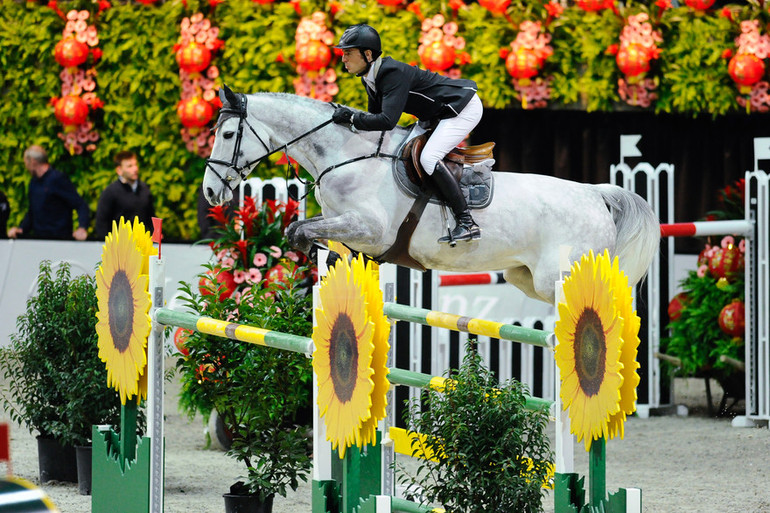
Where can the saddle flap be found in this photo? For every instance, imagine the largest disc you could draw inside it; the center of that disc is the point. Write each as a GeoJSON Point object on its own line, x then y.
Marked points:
{"type": "Point", "coordinates": [410, 156]}
{"type": "Point", "coordinates": [477, 153]}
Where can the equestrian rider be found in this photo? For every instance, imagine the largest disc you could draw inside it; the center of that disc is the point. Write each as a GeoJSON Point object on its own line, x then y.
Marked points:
{"type": "Point", "coordinates": [394, 87]}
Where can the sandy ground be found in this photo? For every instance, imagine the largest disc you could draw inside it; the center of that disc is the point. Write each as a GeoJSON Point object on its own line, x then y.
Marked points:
{"type": "Point", "coordinates": [682, 464]}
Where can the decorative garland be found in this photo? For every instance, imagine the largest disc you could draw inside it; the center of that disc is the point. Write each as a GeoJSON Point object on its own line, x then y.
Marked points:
{"type": "Point", "coordinates": [78, 83]}
{"type": "Point", "coordinates": [198, 41]}
{"type": "Point", "coordinates": [525, 59]}
{"type": "Point", "coordinates": [637, 48]}
{"type": "Point", "coordinates": [312, 58]}
{"type": "Point", "coordinates": [440, 47]}
{"type": "Point", "coordinates": [747, 67]}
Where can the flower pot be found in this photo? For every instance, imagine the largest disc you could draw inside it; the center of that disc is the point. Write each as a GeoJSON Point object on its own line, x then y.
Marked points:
{"type": "Point", "coordinates": [83, 456]}
{"type": "Point", "coordinates": [235, 503]}
{"type": "Point", "coordinates": [56, 462]}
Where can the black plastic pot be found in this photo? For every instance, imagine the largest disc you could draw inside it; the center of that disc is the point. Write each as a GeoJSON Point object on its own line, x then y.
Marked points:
{"type": "Point", "coordinates": [83, 455]}
{"type": "Point", "coordinates": [56, 462]}
{"type": "Point", "coordinates": [247, 504]}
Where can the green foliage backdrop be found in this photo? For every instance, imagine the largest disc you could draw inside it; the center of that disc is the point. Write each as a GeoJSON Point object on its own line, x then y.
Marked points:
{"type": "Point", "coordinates": [139, 84]}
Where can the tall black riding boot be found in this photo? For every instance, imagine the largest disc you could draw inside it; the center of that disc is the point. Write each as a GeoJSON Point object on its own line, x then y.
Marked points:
{"type": "Point", "coordinates": [466, 228]}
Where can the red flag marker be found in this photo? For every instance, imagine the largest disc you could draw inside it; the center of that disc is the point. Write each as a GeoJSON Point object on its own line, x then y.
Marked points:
{"type": "Point", "coordinates": [157, 232]}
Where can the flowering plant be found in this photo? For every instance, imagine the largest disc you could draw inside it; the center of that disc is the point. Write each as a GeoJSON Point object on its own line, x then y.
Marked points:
{"type": "Point", "coordinates": [441, 48]}
{"type": "Point", "coordinates": [252, 252]}
{"type": "Point", "coordinates": [316, 78]}
{"type": "Point", "coordinates": [747, 66]}
{"type": "Point", "coordinates": [638, 46]}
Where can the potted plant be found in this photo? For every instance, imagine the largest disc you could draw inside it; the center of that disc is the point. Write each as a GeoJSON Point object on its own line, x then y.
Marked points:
{"type": "Point", "coordinates": [487, 451]}
{"type": "Point", "coordinates": [262, 396]}
{"type": "Point", "coordinates": [55, 384]}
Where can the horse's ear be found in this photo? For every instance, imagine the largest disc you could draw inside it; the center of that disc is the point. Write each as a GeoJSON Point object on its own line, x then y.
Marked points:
{"type": "Point", "coordinates": [227, 95]}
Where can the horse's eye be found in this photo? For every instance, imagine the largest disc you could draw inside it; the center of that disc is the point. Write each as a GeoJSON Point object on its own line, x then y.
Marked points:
{"type": "Point", "coordinates": [228, 135]}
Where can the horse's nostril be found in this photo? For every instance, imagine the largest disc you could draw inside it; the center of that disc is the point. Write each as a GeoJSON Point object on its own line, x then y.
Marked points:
{"type": "Point", "coordinates": [209, 194]}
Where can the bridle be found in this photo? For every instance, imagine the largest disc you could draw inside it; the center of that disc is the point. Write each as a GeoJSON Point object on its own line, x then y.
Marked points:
{"type": "Point", "coordinates": [243, 170]}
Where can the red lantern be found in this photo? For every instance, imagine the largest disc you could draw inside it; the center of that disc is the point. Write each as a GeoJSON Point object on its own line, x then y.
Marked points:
{"type": "Point", "coordinates": [194, 57]}
{"type": "Point", "coordinates": [732, 319]}
{"type": "Point", "coordinates": [194, 112]}
{"type": "Point", "coordinates": [495, 6]}
{"type": "Point", "coordinates": [524, 63]}
{"type": "Point", "coordinates": [69, 52]}
{"type": "Point", "coordinates": [313, 55]}
{"type": "Point", "coordinates": [71, 111]}
{"type": "Point", "coordinates": [225, 283]}
{"type": "Point", "coordinates": [746, 69]}
{"type": "Point", "coordinates": [701, 5]}
{"type": "Point", "coordinates": [677, 304]}
{"type": "Point", "coordinates": [281, 273]}
{"type": "Point", "coordinates": [438, 56]}
{"type": "Point", "coordinates": [180, 339]}
{"type": "Point", "coordinates": [633, 60]}
{"type": "Point", "coordinates": [725, 262]}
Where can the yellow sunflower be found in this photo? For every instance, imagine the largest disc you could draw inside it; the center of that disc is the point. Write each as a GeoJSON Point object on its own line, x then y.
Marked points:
{"type": "Point", "coordinates": [343, 356]}
{"type": "Point", "coordinates": [374, 307]}
{"type": "Point", "coordinates": [143, 240]}
{"type": "Point", "coordinates": [123, 322]}
{"type": "Point", "coordinates": [588, 353]}
{"type": "Point", "coordinates": [631, 322]}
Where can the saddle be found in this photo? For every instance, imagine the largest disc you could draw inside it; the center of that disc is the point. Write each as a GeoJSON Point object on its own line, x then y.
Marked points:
{"type": "Point", "coordinates": [455, 160]}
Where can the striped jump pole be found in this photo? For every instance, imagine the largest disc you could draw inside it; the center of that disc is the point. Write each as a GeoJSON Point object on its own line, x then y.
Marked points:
{"type": "Point", "coordinates": [705, 228]}
{"type": "Point", "coordinates": [454, 280]}
{"type": "Point", "coordinates": [297, 344]}
{"type": "Point", "coordinates": [470, 325]}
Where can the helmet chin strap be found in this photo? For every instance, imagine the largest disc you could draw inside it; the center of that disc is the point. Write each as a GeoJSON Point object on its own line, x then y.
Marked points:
{"type": "Point", "coordinates": [368, 63]}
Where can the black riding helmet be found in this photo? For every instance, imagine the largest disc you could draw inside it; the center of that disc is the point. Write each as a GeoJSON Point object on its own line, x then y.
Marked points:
{"type": "Point", "coordinates": [363, 37]}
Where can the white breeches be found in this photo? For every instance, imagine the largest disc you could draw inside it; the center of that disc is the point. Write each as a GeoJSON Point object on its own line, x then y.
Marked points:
{"type": "Point", "coordinates": [449, 133]}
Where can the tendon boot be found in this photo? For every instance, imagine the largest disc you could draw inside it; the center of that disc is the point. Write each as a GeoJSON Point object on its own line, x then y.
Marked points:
{"type": "Point", "coordinates": [466, 228]}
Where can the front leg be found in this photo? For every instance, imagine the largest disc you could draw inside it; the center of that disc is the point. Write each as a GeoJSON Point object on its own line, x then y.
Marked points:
{"type": "Point", "coordinates": [350, 228]}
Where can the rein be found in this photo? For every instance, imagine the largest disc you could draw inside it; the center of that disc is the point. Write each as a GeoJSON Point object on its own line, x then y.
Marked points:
{"type": "Point", "coordinates": [243, 170]}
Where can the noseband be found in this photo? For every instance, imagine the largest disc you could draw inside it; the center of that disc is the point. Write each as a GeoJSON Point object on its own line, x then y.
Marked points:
{"type": "Point", "coordinates": [241, 111]}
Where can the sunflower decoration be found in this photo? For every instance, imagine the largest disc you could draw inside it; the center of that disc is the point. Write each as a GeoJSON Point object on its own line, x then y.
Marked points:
{"type": "Point", "coordinates": [350, 354]}
{"type": "Point", "coordinates": [589, 331]}
{"type": "Point", "coordinates": [123, 322]}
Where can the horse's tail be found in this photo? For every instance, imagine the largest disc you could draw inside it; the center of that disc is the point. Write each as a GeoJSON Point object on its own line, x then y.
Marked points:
{"type": "Point", "coordinates": [638, 230]}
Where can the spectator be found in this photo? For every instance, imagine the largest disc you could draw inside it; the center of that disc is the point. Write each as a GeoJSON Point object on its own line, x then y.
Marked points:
{"type": "Point", "coordinates": [127, 197]}
{"type": "Point", "coordinates": [52, 198]}
{"type": "Point", "coordinates": [5, 211]}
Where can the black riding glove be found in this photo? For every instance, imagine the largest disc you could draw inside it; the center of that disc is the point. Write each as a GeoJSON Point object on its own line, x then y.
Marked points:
{"type": "Point", "coordinates": [342, 115]}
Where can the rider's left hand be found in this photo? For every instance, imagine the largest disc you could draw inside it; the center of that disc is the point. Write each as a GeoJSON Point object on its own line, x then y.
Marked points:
{"type": "Point", "coordinates": [342, 115]}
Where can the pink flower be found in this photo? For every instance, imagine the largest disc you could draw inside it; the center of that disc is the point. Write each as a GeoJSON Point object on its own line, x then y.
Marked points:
{"type": "Point", "coordinates": [228, 262]}
{"type": "Point", "coordinates": [742, 245]}
{"type": "Point", "coordinates": [728, 241]}
{"type": "Point", "coordinates": [702, 271]}
{"type": "Point", "coordinates": [239, 276]}
{"type": "Point", "coordinates": [275, 252]}
{"type": "Point", "coordinates": [260, 259]}
{"type": "Point", "coordinates": [294, 257]}
{"type": "Point", "coordinates": [255, 275]}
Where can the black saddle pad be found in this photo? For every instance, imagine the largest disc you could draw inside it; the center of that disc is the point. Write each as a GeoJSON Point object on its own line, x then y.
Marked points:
{"type": "Point", "coordinates": [477, 185]}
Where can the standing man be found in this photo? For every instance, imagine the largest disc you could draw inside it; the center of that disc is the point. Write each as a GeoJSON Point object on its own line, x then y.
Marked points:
{"type": "Point", "coordinates": [52, 198]}
{"type": "Point", "coordinates": [394, 87]}
{"type": "Point", "coordinates": [127, 197]}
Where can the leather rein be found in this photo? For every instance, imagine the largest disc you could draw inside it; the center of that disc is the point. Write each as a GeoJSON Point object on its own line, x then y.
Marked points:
{"type": "Point", "coordinates": [243, 170]}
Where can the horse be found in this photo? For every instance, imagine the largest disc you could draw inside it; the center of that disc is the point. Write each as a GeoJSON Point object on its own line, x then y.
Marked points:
{"type": "Point", "coordinates": [530, 217]}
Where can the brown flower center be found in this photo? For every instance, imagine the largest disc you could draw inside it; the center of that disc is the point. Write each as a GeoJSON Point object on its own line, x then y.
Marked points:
{"type": "Point", "coordinates": [590, 351]}
{"type": "Point", "coordinates": [343, 357]}
{"type": "Point", "coordinates": [120, 306]}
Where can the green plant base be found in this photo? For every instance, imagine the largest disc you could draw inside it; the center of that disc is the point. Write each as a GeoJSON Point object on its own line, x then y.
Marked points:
{"type": "Point", "coordinates": [325, 497]}
{"type": "Point", "coordinates": [569, 497]}
{"type": "Point", "coordinates": [119, 486]}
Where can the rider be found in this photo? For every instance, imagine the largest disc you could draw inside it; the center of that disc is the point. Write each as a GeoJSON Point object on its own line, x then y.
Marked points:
{"type": "Point", "coordinates": [394, 87]}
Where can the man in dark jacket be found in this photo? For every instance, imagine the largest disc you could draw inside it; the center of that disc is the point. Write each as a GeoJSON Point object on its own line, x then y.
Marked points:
{"type": "Point", "coordinates": [52, 198]}
{"type": "Point", "coordinates": [126, 197]}
{"type": "Point", "coordinates": [393, 88]}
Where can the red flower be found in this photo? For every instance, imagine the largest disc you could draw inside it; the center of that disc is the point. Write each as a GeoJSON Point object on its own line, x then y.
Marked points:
{"type": "Point", "coordinates": [273, 208]}
{"type": "Point", "coordinates": [283, 160]}
{"type": "Point", "coordinates": [104, 5]}
{"type": "Point", "coordinates": [53, 100]}
{"type": "Point", "coordinates": [214, 3]}
{"type": "Point", "coordinates": [504, 52]}
{"type": "Point", "coordinates": [554, 9]}
{"type": "Point", "coordinates": [415, 9]}
{"type": "Point", "coordinates": [334, 8]}
{"type": "Point", "coordinates": [456, 5]}
{"type": "Point", "coordinates": [465, 58]}
{"type": "Point", "coordinates": [292, 207]}
{"type": "Point", "coordinates": [727, 53]}
{"type": "Point", "coordinates": [97, 53]}
{"type": "Point", "coordinates": [97, 104]}
{"type": "Point", "coordinates": [726, 13]}
{"type": "Point", "coordinates": [663, 4]}
{"type": "Point", "coordinates": [279, 58]}
{"type": "Point", "coordinates": [243, 249]}
{"type": "Point", "coordinates": [55, 6]}
{"type": "Point", "coordinates": [611, 50]}
{"type": "Point", "coordinates": [297, 8]}
{"type": "Point", "coordinates": [218, 214]}
{"type": "Point", "coordinates": [216, 102]}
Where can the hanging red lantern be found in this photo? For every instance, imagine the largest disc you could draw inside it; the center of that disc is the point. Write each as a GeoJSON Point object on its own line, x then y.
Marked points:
{"type": "Point", "coordinates": [69, 52]}
{"type": "Point", "coordinates": [194, 112]}
{"type": "Point", "coordinates": [725, 262]}
{"type": "Point", "coordinates": [676, 305]}
{"type": "Point", "coordinates": [732, 318]}
{"type": "Point", "coordinates": [700, 5]}
{"type": "Point", "coordinates": [495, 6]}
{"type": "Point", "coordinates": [71, 111]}
{"type": "Point", "coordinates": [225, 283]}
{"type": "Point", "coordinates": [180, 340]}
{"type": "Point", "coordinates": [193, 57]}
{"type": "Point", "coordinates": [438, 56]}
{"type": "Point", "coordinates": [313, 55]}
{"type": "Point", "coordinates": [633, 60]}
{"type": "Point", "coordinates": [524, 63]}
{"type": "Point", "coordinates": [746, 69]}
